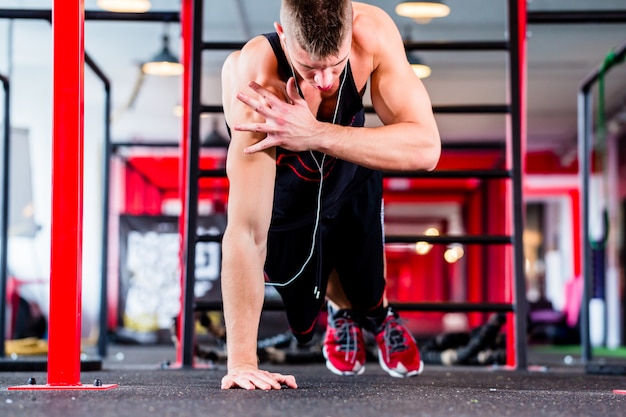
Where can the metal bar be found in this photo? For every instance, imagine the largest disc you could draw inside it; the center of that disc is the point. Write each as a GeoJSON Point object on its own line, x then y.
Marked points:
{"type": "Point", "coordinates": [29, 14]}
{"type": "Point", "coordinates": [4, 220]}
{"type": "Point", "coordinates": [211, 108]}
{"type": "Point", "coordinates": [186, 28]}
{"type": "Point", "coordinates": [97, 70]}
{"type": "Point", "coordinates": [450, 174]}
{"type": "Point", "coordinates": [104, 250]}
{"type": "Point", "coordinates": [141, 174]}
{"type": "Point", "coordinates": [461, 46]}
{"type": "Point", "coordinates": [442, 109]}
{"type": "Point", "coordinates": [116, 146]}
{"type": "Point", "coordinates": [212, 173]}
{"type": "Point", "coordinates": [576, 17]}
{"type": "Point", "coordinates": [435, 306]}
{"type": "Point", "coordinates": [474, 146]}
{"type": "Point", "coordinates": [473, 108]}
{"type": "Point", "coordinates": [452, 146]}
{"type": "Point", "coordinates": [464, 239]}
{"type": "Point", "coordinates": [517, 67]}
{"type": "Point", "coordinates": [106, 185]}
{"type": "Point", "coordinates": [594, 75]}
{"type": "Point", "coordinates": [585, 126]}
{"type": "Point", "coordinates": [455, 307]}
{"type": "Point", "coordinates": [584, 155]}
{"type": "Point", "coordinates": [194, 19]}
{"type": "Point", "coordinates": [67, 193]}
{"type": "Point", "coordinates": [209, 238]}
{"type": "Point", "coordinates": [45, 14]}
{"type": "Point", "coordinates": [467, 46]}
{"type": "Point", "coordinates": [534, 17]}
{"type": "Point", "coordinates": [222, 46]}
{"type": "Point", "coordinates": [163, 16]}
{"type": "Point", "coordinates": [485, 220]}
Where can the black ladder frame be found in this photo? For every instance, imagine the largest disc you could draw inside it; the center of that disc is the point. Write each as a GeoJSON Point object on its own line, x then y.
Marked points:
{"type": "Point", "coordinates": [515, 46]}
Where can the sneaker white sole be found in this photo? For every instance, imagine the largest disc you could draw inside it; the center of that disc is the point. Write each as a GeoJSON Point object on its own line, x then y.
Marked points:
{"type": "Point", "coordinates": [357, 371]}
{"type": "Point", "coordinates": [396, 374]}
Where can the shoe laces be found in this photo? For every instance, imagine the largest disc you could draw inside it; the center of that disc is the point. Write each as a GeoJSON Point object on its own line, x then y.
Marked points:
{"type": "Point", "coordinates": [346, 336]}
{"type": "Point", "coordinates": [394, 336]}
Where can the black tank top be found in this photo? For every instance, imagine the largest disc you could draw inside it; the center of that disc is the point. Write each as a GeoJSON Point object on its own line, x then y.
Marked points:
{"type": "Point", "coordinates": [297, 175]}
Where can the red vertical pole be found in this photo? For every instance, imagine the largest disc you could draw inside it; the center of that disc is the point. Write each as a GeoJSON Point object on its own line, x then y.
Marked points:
{"type": "Point", "coordinates": [186, 22]}
{"type": "Point", "coordinates": [516, 143]}
{"type": "Point", "coordinates": [575, 227]}
{"type": "Point", "coordinates": [477, 276]}
{"type": "Point", "coordinates": [67, 196]}
{"type": "Point", "coordinates": [68, 21]}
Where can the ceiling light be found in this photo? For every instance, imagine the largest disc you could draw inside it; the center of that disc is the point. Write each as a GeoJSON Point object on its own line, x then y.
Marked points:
{"type": "Point", "coordinates": [419, 67]}
{"type": "Point", "coordinates": [163, 63]}
{"type": "Point", "coordinates": [423, 11]}
{"type": "Point", "coordinates": [129, 6]}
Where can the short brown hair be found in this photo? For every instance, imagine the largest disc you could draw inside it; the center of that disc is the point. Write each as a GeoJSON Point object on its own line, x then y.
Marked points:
{"type": "Point", "coordinates": [319, 26]}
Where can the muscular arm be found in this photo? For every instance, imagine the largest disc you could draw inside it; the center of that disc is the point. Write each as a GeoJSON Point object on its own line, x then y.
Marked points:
{"type": "Point", "coordinates": [409, 138]}
{"type": "Point", "coordinates": [251, 179]}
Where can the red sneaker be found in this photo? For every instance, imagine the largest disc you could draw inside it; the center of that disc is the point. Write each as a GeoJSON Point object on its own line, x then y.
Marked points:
{"type": "Point", "coordinates": [344, 348]}
{"type": "Point", "coordinates": [398, 353]}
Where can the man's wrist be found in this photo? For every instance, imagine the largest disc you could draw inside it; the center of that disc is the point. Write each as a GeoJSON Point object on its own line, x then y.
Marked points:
{"type": "Point", "coordinates": [329, 138]}
{"type": "Point", "coordinates": [237, 364]}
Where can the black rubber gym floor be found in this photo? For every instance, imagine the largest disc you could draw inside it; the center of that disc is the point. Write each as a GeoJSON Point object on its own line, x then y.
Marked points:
{"type": "Point", "coordinates": [147, 389]}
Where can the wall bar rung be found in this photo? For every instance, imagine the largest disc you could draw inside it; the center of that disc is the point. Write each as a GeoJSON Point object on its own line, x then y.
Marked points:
{"type": "Point", "coordinates": [434, 306]}
{"type": "Point", "coordinates": [577, 17]}
{"type": "Point", "coordinates": [483, 174]}
{"type": "Point", "coordinates": [212, 173]}
{"type": "Point", "coordinates": [464, 239]}
{"type": "Point", "coordinates": [442, 109]}
{"type": "Point", "coordinates": [45, 14]}
{"type": "Point", "coordinates": [462, 46]}
{"type": "Point", "coordinates": [209, 238]}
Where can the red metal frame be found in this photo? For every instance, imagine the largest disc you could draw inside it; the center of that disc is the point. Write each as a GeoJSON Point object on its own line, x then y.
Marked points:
{"type": "Point", "coordinates": [186, 27]}
{"type": "Point", "coordinates": [510, 279]}
{"type": "Point", "coordinates": [68, 18]}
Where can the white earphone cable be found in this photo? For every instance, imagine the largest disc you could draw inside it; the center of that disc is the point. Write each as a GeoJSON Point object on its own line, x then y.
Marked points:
{"type": "Point", "coordinates": [320, 168]}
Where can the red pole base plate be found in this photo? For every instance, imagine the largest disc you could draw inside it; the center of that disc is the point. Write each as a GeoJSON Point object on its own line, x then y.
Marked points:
{"type": "Point", "coordinates": [62, 387]}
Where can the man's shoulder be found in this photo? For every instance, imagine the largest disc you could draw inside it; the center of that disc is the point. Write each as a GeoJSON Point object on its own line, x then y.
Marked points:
{"type": "Point", "coordinates": [257, 47]}
{"type": "Point", "coordinates": [255, 61]}
{"type": "Point", "coordinates": [371, 24]}
{"type": "Point", "coordinates": [255, 55]}
{"type": "Point", "coordinates": [369, 14]}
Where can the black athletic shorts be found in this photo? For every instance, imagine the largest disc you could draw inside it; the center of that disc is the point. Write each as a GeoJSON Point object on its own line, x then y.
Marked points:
{"type": "Point", "coordinates": [350, 240]}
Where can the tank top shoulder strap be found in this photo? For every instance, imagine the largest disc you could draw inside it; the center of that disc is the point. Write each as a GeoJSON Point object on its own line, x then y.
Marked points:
{"type": "Point", "coordinates": [284, 69]}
